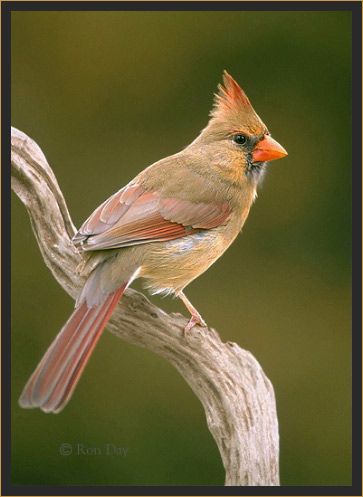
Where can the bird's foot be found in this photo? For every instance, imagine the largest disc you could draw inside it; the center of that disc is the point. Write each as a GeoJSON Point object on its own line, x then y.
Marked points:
{"type": "Point", "coordinates": [195, 319]}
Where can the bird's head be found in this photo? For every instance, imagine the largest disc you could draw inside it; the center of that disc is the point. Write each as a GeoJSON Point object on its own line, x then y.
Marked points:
{"type": "Point", "coordinates": [236, 136]}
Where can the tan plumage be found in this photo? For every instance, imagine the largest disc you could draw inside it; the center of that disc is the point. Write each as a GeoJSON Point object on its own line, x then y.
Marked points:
{"type": "Point", "coordinates": [168, 225]}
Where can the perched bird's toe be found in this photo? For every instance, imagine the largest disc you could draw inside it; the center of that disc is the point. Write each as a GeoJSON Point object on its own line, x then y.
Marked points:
{"type": "Point", "coordinates": [195, 319]}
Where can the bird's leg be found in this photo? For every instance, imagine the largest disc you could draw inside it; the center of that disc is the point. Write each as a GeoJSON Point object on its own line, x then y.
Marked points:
{"type": "Point", "coordinates": [196, 317]}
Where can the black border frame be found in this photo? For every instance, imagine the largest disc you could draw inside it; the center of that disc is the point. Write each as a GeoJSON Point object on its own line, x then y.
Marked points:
{"type": "Point", "coordinates": [355, 7]}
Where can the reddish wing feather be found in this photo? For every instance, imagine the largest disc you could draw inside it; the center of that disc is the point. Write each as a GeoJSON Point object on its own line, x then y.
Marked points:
{"type": "Point", "coordinates": [109, 212]}
{"type": "Point", "coordinates": [133, 216]}
{"type": "Point", "coordinates": [203, 216]}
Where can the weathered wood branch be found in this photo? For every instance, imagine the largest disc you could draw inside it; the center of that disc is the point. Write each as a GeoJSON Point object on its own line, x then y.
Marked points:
{"type": "Point", "coordinates": [237, 397]}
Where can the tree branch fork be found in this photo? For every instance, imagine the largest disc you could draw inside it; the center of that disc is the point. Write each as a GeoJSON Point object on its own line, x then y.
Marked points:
{"type": "Point", "coordinates": [237, 397]}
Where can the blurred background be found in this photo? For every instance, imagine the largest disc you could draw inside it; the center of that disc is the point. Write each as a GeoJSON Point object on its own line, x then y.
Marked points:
{"type": "Point", "coordinates": [105, 94]}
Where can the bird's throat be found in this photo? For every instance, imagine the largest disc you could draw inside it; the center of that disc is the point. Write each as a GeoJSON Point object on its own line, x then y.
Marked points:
{"type": "Point", "coordinates": [255, 170]}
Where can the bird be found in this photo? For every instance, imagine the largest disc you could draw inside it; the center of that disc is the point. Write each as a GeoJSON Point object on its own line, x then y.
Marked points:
{"type": "Point", "coordinates": [168, 225]}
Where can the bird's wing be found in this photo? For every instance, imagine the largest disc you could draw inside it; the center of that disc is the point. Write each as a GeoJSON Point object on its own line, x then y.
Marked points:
{"type": "Point", "coordinates": [133, 216]}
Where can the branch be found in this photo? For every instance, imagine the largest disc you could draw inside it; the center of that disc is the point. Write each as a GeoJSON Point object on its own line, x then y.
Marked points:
{"type": "Point", "coordinates": [237, 397]}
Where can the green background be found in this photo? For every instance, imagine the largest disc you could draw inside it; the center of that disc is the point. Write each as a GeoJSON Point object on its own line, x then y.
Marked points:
{"type": "Point", "coordinates": [105, 94]}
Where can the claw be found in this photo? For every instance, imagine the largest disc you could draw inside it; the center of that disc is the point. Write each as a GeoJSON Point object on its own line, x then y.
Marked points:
{"type": "Point", "coordinates": [195, 319]}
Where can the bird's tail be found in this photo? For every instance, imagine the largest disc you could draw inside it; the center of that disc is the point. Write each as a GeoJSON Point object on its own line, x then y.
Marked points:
{"type": "Point", "coordinates": [52, 383]}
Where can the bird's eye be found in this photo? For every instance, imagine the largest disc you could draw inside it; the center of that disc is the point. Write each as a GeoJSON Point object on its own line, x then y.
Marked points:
{"type": "Point", "coordinates": [240, 139]}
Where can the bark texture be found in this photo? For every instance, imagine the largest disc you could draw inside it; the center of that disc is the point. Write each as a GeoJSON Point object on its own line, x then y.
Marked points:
{"type": "Point", "coordinates": [237, 397]}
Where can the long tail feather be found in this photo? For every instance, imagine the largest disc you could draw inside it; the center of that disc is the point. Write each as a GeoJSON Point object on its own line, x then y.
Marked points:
{"type": "Point", "coordinates": [52, 383]}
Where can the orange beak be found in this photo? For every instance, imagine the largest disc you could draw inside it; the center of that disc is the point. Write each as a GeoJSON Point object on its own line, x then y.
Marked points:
{"type": "Point", "coordinates": [268, 149]}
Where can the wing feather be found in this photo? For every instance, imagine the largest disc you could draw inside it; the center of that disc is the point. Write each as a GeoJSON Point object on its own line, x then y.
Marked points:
{"type": "Point", "coordinates": [133, 216]}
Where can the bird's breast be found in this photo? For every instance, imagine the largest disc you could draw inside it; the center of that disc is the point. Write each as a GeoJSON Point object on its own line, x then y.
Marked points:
{"type": "Point", "coordinates": [170, 266]}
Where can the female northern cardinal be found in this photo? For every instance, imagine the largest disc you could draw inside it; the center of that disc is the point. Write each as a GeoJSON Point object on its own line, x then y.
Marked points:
{"type": "Point", "coordinates": [168, 225]}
